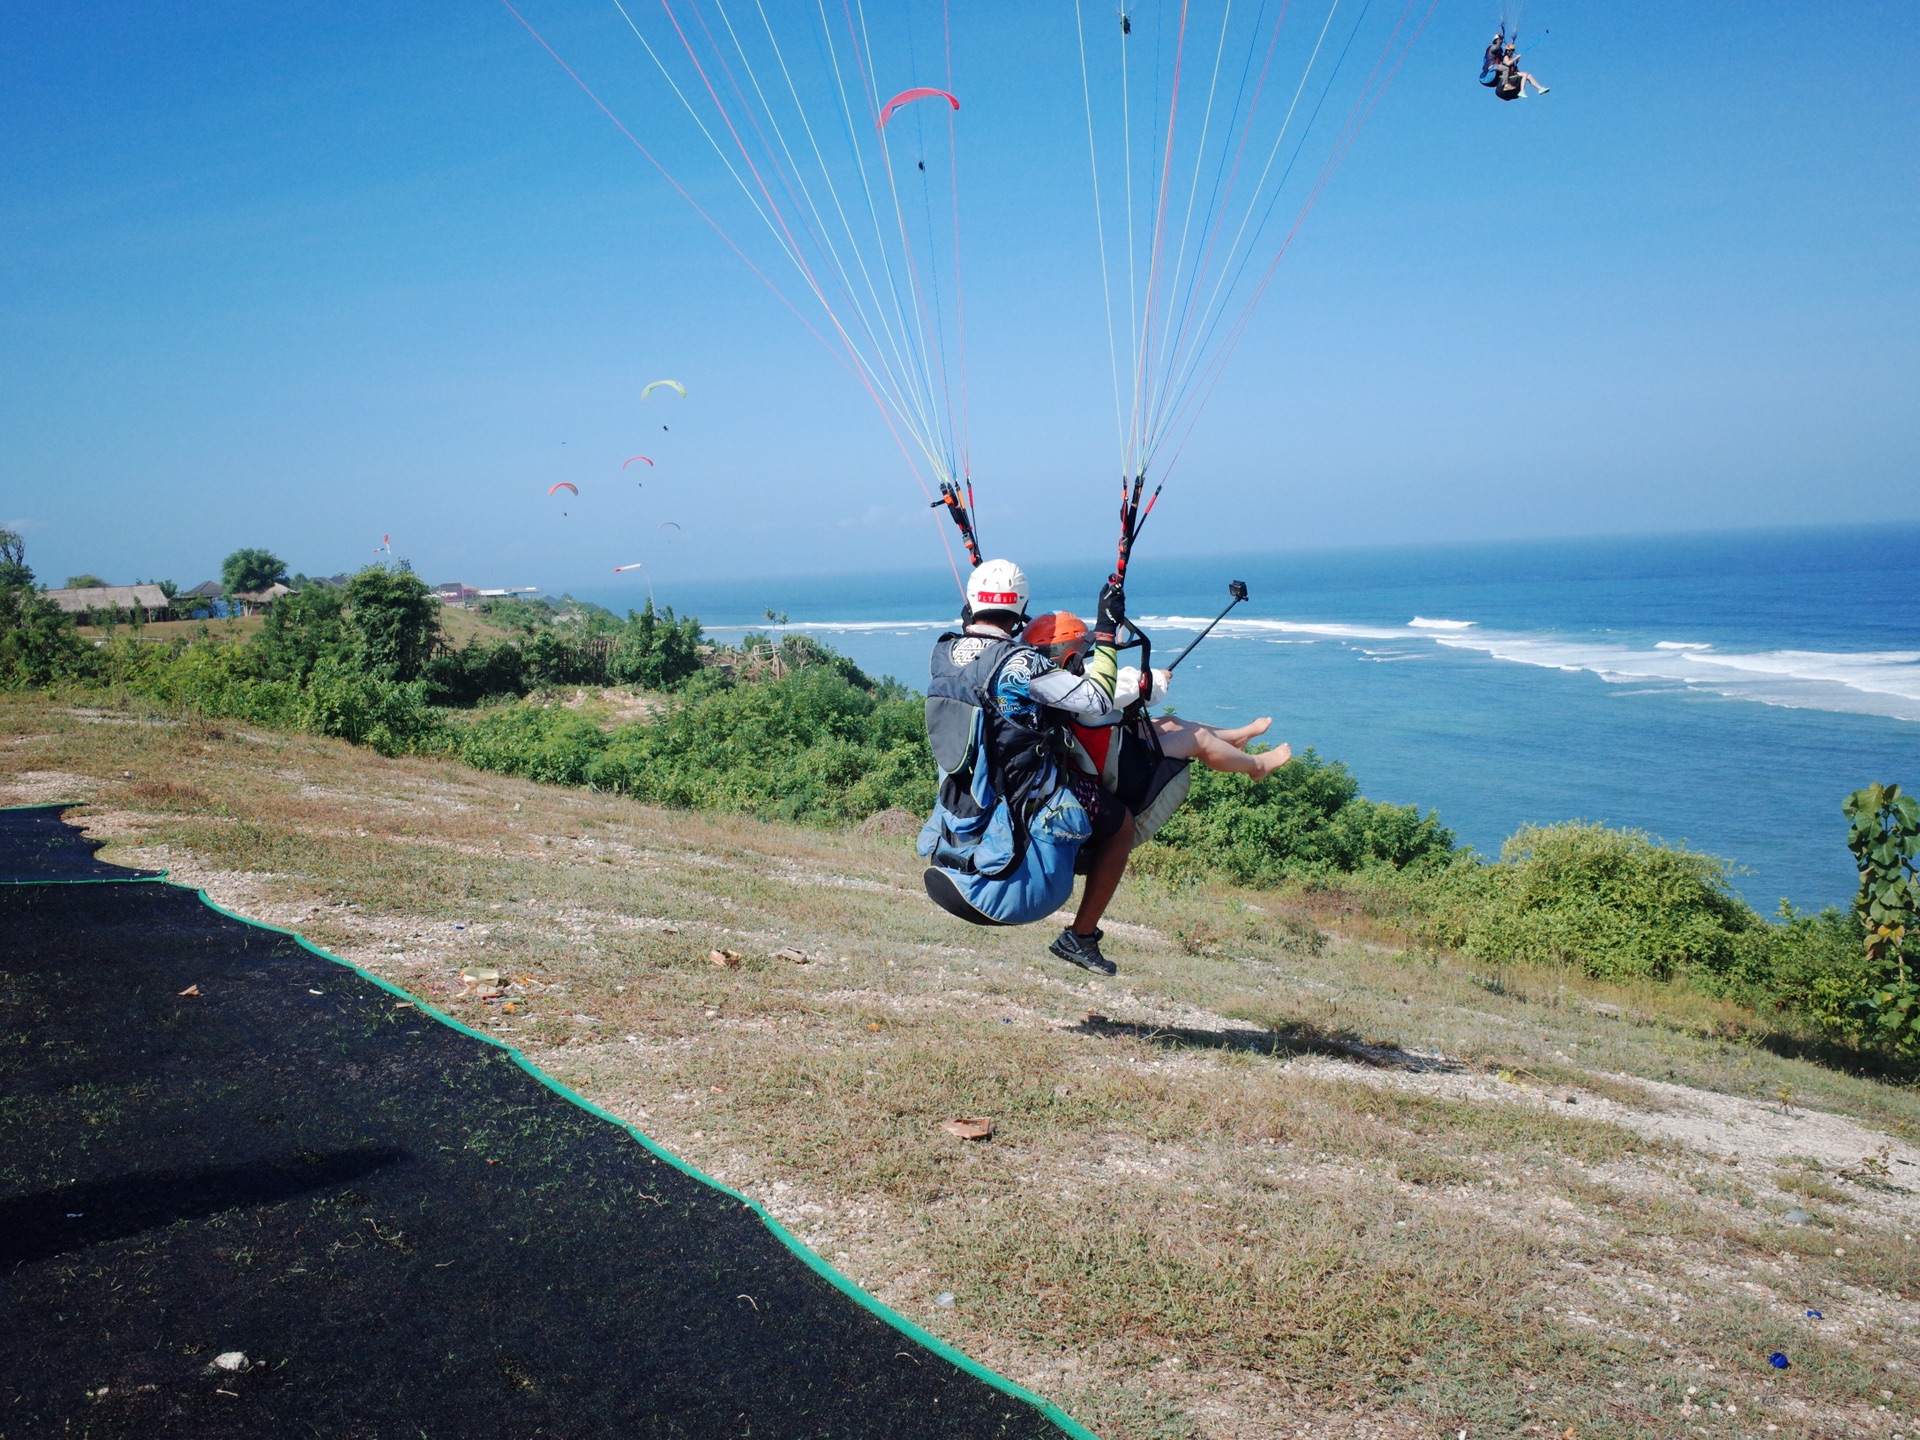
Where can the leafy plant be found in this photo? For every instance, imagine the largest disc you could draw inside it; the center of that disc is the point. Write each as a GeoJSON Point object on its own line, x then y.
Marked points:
{"type": "Point", "coordinates": [301, 630]}
{"type": "Point", "coordinates": [1308, 819]}
{"type": "Point", "coordinates": [13, 559]}
{"type": "Point", "coordinates": [1615, 904]}
{"type": "Point", "coordinates": [395, 622]}
{"type": "Point", "coordinates": [251, 568]}
{"type": "Point", "coordinates": [1883, 832]}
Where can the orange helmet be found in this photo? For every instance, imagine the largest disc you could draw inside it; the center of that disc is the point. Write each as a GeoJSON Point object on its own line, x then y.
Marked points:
{"type": "Point", "coordinates": [1061, 636]}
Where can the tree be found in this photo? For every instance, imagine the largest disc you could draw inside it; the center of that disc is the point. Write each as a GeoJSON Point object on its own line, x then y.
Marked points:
{"type": "Point", "coordinates": [300, 631]}
{"type": "Point", "coordinates": [37, 643]}
{"type": "Point", "coordinates": [13, 560]}
{"type": "Point", "coordinates": [251, 569]}
{"type": "Point", "coordinates": [85, 582]}
{"type": "Point", "coordinates": [395, 622]}
{"type": "Point", "coordinates": [1883, 832]}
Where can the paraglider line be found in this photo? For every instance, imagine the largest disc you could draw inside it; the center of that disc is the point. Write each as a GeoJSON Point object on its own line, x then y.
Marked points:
{"type": "Point", "coordinates": [665, 174]}
{"type": "Point", "coordinates": [1362, 111]}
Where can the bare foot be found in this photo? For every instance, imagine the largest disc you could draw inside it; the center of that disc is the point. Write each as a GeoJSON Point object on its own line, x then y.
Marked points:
{"type": "Point", "coordinates": [1272, 760]}
{"type": "Point", "coordinates": [1245, 735]}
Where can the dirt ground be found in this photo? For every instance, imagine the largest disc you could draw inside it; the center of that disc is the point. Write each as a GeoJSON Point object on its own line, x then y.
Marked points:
{"type": "Point", "coordinates": [1285, 1175]}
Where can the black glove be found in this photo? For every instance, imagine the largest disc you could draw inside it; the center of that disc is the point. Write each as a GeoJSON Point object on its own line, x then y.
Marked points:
{"type": "Point", "coordinates": [1110, 613]}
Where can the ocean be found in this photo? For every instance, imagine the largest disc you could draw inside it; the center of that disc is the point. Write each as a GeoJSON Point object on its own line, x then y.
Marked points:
{"type": "Point", "coordinates": [1723, 691]}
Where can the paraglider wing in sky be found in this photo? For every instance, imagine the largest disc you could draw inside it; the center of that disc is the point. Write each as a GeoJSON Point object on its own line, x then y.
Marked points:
{"type": "Point", "coordinates": [674, 385]}
{"type": "Point", "coordinates": [563, 485]}
{"type": "Point", "coordinates": [630, 459]}
{"type": "Point", "coordinates": [635, 566]}
{"type": "Point", "coordinates": [907, 97]}
{"type": "Point", "coordinates": [667, 524]}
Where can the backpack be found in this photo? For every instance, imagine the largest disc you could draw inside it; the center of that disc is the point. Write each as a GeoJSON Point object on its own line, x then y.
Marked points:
{"type": "Point", "coordinates": [1005, 830]}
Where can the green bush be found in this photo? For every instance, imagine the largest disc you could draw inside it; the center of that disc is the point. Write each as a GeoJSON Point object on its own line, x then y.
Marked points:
{"type": "Point", "coordinates": [300, 631]}
{"type": "Point", "coordinates": [1308, 819]}
{"type": "Point", "coordinates": [389, 716]}
{"type": "Point", "coordinates": [476, 671]}
{"type": "Point", "coordinates": [1614, 904]}
{"type": "Point", "coordinates": [548, 743]}
{"type": "Point", "coordinates": [394, 620]}
{"type": "Point", "coordinates": [38, 644]}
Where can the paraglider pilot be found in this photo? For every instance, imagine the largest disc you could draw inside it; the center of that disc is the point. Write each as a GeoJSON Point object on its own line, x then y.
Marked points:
{"type": "Point", "coordinates": [1008, 828]}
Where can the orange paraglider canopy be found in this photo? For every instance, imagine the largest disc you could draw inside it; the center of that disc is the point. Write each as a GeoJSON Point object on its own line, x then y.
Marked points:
{"type": "Point", "coordinates": [563, 485]}
{"type": "Point", "coordinates": [907, 97]}
{"type": "Point", "coordinates": [631, 458]}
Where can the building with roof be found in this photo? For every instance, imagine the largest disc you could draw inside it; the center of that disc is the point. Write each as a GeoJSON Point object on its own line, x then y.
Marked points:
{"type": "Point", "coordinates": [150, 601]}
{"type": "Point", "coordinates": [257, 602]}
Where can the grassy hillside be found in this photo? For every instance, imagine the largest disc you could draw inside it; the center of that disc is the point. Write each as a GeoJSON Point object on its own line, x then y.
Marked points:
{"type": "Point", "coordinates": [1289, 1173]}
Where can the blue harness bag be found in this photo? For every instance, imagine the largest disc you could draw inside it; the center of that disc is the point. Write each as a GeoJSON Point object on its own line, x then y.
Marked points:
{"type": "Point", "coordinates": [1005, 831]}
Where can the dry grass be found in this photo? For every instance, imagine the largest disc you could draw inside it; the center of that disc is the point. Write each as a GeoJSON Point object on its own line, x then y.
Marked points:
{"type": "Point", "coordinates": [1282, 1176]}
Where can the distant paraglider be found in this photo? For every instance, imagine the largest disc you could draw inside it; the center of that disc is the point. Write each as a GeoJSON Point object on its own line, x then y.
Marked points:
{"type": "Point", "coordinates": [621, 569]}
{"type": "Point", "coordinates": [667, 525]}
{"type": "Point", "coordinates": [674, 385]}
{"type": "Point", "coordinates": [563, 485]}
{"type": "Point", "coordinates": [630, 459]}
{"type": "Point", "coordinates": [907, 97]}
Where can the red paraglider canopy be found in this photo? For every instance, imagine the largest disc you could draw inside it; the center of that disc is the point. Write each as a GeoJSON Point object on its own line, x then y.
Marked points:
{"type": "Point", "coordinates": [918, 92]}
{"type": "Point", "coordinates": [563, 485]}
{"type": "Point", "coordinates": [631, 458]}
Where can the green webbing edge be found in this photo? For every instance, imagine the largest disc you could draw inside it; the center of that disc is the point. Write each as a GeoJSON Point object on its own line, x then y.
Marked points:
{"type": "Point", "coordinates": [63, 806]}
{"type": "Point", "coordinates": [819, 1267]}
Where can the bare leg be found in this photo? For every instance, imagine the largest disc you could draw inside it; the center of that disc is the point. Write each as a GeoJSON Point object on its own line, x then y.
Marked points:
{"type": "Point", "coordinates": [1185, 740]}
{"type": "Point", "coordinates": [1240, 736]}
{"type": "Point", "coordinates": [1104, 878]}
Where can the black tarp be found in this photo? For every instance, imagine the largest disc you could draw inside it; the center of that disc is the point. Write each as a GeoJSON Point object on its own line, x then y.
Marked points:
{"type": "Point", "coordinates": [406, 1232]}
{"type": "Point", "coordinates": [37, 846]}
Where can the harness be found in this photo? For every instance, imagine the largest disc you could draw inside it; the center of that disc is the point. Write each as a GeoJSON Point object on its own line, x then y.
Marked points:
{"type": "Point", "coordinates": [1005, 831]}
{"type": "Point", "coordinates": [986, 756]}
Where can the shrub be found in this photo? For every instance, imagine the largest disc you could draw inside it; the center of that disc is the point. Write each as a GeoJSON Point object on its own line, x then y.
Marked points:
{"type": "Point", "coordinates": [1615, 904]}
{"type": "Point", "coordinates": [540, 742]}
{"type": "Point", "coordinates": [38, 644]}
{"type": "Point", "coordinates": [300, 631]}
{"type": "Point", "coordinates": [475, 672]}
{"type": "Point", "coordinates": [655, 650]}
{"type": "Point", "coordinates": [394, 621]}
{"type": "Point", "coordinates": [1308, 819]}
{"type": "Point", "coordinates": [387, 715]}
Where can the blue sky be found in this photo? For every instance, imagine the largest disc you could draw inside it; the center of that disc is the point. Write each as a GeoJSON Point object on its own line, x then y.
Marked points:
{"type": "Point", "coordinates": [304, 276]}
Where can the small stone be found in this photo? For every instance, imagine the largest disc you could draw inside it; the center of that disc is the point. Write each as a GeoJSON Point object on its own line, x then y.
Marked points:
{"type": "Point", "coordinates": [944, 1299]}
{"type": "Point", "coordinates": [231, 1361]}
{"type": "Point", "coordinates": [1797, 1217]}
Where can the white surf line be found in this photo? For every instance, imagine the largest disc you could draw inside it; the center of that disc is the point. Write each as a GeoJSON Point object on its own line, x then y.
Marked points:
{"type": "Point", "coordinates": [1884, 683]}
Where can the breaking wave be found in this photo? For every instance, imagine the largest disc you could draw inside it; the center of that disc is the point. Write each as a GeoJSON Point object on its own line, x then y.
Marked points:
{"type": "Point", "coordinates": [1865, 682]}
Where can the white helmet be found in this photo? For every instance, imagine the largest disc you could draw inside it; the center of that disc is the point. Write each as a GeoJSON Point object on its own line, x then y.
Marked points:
{"type": "Point", "coordinates": [997, 585]}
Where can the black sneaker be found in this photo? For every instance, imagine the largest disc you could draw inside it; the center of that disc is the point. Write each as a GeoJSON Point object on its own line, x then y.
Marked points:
{"type": "Point", "coordinates": [1083, 950]}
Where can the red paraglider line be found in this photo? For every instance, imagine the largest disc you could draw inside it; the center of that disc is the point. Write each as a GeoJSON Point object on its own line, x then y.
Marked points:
{"type": "Point", "coordinates": [666, 175]}
{"type": "Point", "coordinates": [1363, 107]}
{"type": "Point", "coordinates": [747, 260]}
{"type": "Point", "coordinates": [1160, 225]}
{"type": "Point", "coordinates": [959, 286]}
{"type": "Point", "coordinates": [1218, 221]}
{"type": "Point", "coordinates": [918, 92]}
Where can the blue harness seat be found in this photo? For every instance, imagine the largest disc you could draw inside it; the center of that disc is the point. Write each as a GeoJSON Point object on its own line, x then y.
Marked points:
{"type": "Point", "coordinates": [1005, 830]}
